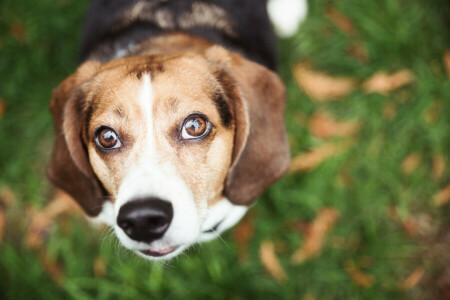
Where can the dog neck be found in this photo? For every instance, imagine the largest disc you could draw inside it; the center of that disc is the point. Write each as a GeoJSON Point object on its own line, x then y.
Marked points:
{"type": "Point", "coordinates": [168, 44]}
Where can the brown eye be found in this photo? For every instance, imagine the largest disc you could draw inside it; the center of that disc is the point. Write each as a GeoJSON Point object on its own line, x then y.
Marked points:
{"type": "Point", "coordinates": [195, 126]}
{"type": "Point", "coordinates": [106, 138]}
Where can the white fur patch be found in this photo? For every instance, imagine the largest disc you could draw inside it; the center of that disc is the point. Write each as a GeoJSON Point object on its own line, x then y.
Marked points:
{"type": "Point", "coordinates": [287, 15]}
{"type": "Point", "coordinates": [223, 213]}
{"type": "Point", "coordinates": [152, 177]}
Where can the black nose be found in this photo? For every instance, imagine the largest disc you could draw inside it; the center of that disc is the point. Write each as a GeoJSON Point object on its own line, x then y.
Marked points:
{"type": "Point", "coordinates": [145, 220]}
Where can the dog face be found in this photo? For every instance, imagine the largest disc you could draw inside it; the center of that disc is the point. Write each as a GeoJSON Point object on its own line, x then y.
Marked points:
{"type": "Point", "coordinates": [164, 138]}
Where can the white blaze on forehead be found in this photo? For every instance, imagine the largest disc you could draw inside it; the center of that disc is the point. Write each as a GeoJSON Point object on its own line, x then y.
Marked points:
{"type": "Point", "coordinates": [151, 176]}
{"type": "Point", "coordinates": [145, 99]}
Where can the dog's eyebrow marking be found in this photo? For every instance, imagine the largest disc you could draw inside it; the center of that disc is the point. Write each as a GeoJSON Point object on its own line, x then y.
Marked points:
{"type": "Point", "coordinates": [149, 67]}
{"type": "Point", "coordinates": [87, 123]}
{"type": "Point", "coordinates": [119, 112]}
{"type": "Point", "coordinates": [223, 108]}
{"type": "Point", "coordinates": [173, 105]}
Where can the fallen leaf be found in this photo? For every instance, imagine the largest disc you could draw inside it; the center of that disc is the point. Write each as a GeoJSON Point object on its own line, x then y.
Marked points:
{"type": "Point", "coordinates": [359, 52]}
{"type": "Point", "coordinates": [99, 267]}
{"type": "Point", "coordinates": [340, 20]}
{"type": "Point", "coordinates": [320, 86]}
{"type": "Point", "coordinates": [358, 276]}
{"type": "Point", "coordinates": [7, 196]}
{"type": "Point", "coordinates": [431, 114]}
{"type": "Point", "coordinates": [38, 230]}
{"type": "Point", "coordinates": [2, 223]}
{"type": "Point", "coordinates": [242, 234]}
{"type": "Point", "coordinates": [320, 226]}
{"type": "Point", "coordinates": [270, 261]}
{"type": "Point", "coordinates": [389, 111]}
{"type": "Point", "coordinates": [442, 197]}
{"type": "Point", "coordinates": [447, 61]}
{"type": "Point", "coordinates": [18, 32]}
{"type": "Point", "coordinates": [410, 226]}
{"type": "Point", "coordinates": [51, 267]}
{"type": "Point", "coordinates": [310, 160]}
{"type": "Point", "coordinates": [412, 280]}
{"type": "Point", "coordinates": [410, 163]}
{"type": "Point", "coordinates": [382, 82]}
{"type": "Point", "coordinates": [2, 107]}
{"type": "Point", "coordinates": [322, 125]}
{"type": "Point", "coordinates": [438, 167]}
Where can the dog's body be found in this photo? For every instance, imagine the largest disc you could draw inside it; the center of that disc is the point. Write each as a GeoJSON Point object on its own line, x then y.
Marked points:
{"type": "Point", "coordinates": [162, 133]}
{"type": "Point", "coordinates": [117, 28]}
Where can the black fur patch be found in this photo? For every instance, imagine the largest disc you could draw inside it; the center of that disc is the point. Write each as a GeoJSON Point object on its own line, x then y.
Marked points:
{"type": "Point", "coordinates": [108, 28]}
{"type": "Point", "coordinates": [224, 109]}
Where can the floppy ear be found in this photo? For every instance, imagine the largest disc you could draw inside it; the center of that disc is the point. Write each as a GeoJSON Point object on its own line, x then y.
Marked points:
{"type": "Point", "coordinates": [261, 151]}
{"type": "Point", "coordinates": [69, 166]}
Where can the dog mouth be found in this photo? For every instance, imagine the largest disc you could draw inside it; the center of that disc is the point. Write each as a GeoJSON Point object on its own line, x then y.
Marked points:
{"type": "Point", "coordinates": [159, 252]}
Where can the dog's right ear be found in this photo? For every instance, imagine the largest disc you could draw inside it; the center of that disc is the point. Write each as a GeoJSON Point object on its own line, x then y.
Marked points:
{"type": "Point", "coordinates": [69, 166]}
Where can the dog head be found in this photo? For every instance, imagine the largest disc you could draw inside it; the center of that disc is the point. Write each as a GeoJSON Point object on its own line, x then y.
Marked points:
{"type": "Point", "coordinates": [160, 139]}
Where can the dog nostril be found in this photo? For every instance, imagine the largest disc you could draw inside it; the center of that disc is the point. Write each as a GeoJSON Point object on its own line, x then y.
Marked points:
{"type": "Point", "coordinates": [145, 219]}
{"type": "Point", "coordinates": [127, 226]}
{"type": "Point", "coordinates": [156, 222]}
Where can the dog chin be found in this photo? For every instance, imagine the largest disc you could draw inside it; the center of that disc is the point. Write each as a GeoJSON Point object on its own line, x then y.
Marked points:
{"type": "Point", "coordinates": [154, 254]}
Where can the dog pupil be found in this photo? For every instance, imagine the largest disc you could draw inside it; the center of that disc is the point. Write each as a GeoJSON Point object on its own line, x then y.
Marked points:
{"type": "Point", "coordinates": [195, 126]}
{"type": "Point", "coordinates": [109, 137]}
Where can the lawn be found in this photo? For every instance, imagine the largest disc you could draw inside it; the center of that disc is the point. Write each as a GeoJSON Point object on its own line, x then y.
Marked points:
{"type": "Point", "coordinates": [364, 213]}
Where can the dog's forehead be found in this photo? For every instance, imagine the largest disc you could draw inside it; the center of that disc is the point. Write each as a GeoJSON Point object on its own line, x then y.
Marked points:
{"type": "Point", "coordinates": [176, 82]}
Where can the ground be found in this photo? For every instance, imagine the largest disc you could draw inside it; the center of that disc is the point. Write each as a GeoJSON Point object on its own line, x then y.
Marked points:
{"type": "Point", "coordinates": [363, 213]}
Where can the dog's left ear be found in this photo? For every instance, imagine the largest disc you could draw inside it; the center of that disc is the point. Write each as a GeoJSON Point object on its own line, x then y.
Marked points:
{"type": "Point", "coordinates": [69, 166]}
{"type": "Point", "coordinates": [261, 152]}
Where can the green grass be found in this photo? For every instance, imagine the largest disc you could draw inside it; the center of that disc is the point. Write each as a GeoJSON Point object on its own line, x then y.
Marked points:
{"type": "Point", "coordinates": [397, 34]}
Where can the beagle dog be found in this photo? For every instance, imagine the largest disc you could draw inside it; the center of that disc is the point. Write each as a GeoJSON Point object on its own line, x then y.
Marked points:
{"type": "Point", "coordinates": [174, 122]}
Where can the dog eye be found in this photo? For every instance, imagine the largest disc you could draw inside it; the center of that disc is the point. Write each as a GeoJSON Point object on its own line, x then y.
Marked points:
{"type": "Point", "coordinates": [194, 127]}
{"type": "Point", "coordinates": [107, 138]}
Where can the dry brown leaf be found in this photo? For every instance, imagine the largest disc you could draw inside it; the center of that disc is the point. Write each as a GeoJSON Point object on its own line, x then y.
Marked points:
{"type": "Point", "coordinates": [310, 160]}
{"type": "Point", "coordinates": [442, 197]}
{"type": "Point", "coordinates": [410, 226]}
{"type": "Point", "coordinates": [431, 114]}
{"type": "Point", "coordinates": [320, 226]}
{"type": "Point", "coordinates": [438, 167]}
{"type": "Point", "coordinates": [447, 61]}
{"type": "Point", "coordinates": [412, 280]}
{"type": "Point", "coordinates": [2, 107]}
{"type": "Point", "coordinates": [39, 227]}
{"type": "Point", "coordinates": [2, 223]}
{"type": "Point", "coordinates": [242, 234]}
{"type": "Point", "coordinates": [358, 276]}
{"type": "Point", "coordinates": [7, 196]}
{"type": "Point", "coordinates": [52, 267]}
{"type": "Point", "coordinates": [382, 82]}
{"type": "Point", "coordinates": [18, 32]}
{"type": "Point", "coordinates": [270, 261]}
{"type": "Point", "coordinates": [322, 125]}
{"type": "Point", "coordinates": [99, 267]}
{"type": "Point", "coordinates": [359, 52]}
{"type": "Point", "coordinates": [410, 163]}
{"type": "Point", "coordinates": [389, 111]}
{"type": "Point", "coordinates": [320, 86]}
{"type": "Point", "coordinates": [340, 20]}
